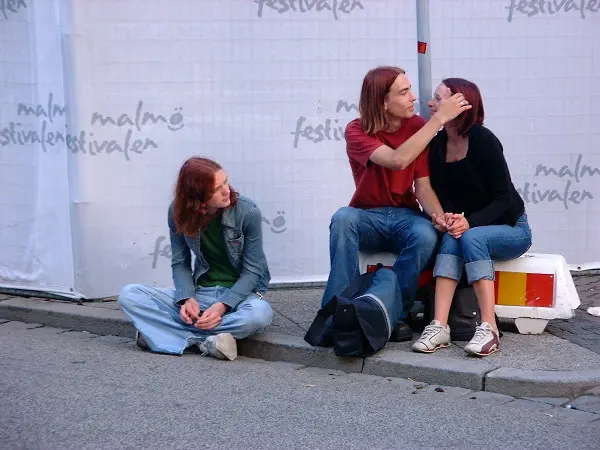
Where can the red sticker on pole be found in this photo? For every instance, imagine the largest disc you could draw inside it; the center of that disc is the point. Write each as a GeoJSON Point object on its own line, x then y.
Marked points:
{"type": "Point", "coordinates": [422, 47]}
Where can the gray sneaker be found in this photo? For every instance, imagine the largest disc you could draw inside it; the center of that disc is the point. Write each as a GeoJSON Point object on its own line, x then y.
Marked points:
{"type": "Point", "coordinates": [434, 336]}
{"type": "Point", "coordinates": [220, 346]}
{"type": "Point", "coordinates": [140, 341]}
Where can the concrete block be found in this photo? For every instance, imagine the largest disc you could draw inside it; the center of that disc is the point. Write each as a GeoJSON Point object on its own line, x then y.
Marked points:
{"type": "Point", "coordinates": [438, 370]}
{"type": "Point", "coordinates": [526, 325]}
{"type": "Point", "coordinates": [541, 383]}
{"type": "Point", "coordinates": [565, 299]}
{"type": "Point", "coordinates": [281, 347]}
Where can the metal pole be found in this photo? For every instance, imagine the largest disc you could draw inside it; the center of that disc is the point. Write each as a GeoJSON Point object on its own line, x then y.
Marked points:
{"type": "Point", "coordinates": [424, 56]}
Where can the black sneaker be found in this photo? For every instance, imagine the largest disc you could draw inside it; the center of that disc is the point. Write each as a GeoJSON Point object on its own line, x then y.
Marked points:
{"type": "Point", "coordinates": [401, 333]}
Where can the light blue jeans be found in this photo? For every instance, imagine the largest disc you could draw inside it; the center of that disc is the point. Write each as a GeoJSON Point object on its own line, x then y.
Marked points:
{"type": "Point", "coordinates": [155, 314]}
{"type": "Point", "coordinates": [397, 230]}
{"type": "Point", "coordinates": [478, 247]}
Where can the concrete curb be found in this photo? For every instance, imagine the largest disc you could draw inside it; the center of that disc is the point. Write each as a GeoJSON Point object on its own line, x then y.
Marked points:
{"type": "Point", "coordinates": [438, 370]}
{"type": "Point", "coordinates": [69, 315]}
{"type": "Point", "coordinates": [476, 374]}
{"type": "Point", "coordinates": [283, 347]}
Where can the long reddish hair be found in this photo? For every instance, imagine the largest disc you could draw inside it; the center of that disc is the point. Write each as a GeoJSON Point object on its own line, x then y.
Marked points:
{"type": "Point", "coordinates": [470, 117]}
{"type": "Point", "coordinates": [195, 187]}
{"type": "Point", "coordinates": [375, 87]}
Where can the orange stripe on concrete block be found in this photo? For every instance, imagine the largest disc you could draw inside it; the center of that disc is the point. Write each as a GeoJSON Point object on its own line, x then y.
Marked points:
{"type": "Point", "coordinates": [540, 290]}
{"type": "Point", "coordinates": [512, 288]}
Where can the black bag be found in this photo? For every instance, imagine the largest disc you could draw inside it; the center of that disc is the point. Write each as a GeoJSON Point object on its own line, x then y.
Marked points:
{"type": "Point", "coordinates": [464, 314]}
{"type": "Point", "coordinates": [360, 320]}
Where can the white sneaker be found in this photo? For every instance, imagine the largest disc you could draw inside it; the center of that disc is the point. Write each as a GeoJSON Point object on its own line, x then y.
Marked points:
{"type": "Point", "coordinates": [434, 336]}
{"type": "Point", "coordinates": [221, 346]}
{"type": "Point", "coordinates": [484, 342]}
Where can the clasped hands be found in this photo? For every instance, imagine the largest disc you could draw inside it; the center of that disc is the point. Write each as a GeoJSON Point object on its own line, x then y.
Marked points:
{"type": "Point", "coordinates": [453, 224]}
{"type": "Point", "coordinates": [208, 319]}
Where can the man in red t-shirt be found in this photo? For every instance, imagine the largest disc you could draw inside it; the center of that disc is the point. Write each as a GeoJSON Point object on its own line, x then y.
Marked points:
{"type": "Point", "coordinates": [386, 149]}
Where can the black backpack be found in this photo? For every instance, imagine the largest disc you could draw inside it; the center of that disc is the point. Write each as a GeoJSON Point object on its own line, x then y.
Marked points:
{"type": "Point", "coordinates": [359, 321]}
{"type": "Point", "coordinates": [464, 314]}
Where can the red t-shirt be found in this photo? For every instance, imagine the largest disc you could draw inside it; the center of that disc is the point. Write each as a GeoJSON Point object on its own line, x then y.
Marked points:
{"type": "Point", "coordinates": [377, 186]}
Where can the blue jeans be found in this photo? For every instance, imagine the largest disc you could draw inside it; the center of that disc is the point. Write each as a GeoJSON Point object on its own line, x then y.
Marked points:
{"type": "Point", "coordinates": [397, 230]}
{"type": "Point", "coordinates": [155, 314]}
{"type": "Point", "coordinates": [478, 247]}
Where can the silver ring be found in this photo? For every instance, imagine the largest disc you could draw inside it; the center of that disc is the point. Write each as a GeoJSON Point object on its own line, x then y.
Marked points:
{"type": "Point", "coordinates": [462, 103]}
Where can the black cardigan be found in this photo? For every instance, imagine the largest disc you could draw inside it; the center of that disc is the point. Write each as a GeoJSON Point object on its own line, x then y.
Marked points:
{"type": "Point", "coordinates": [479, 184]}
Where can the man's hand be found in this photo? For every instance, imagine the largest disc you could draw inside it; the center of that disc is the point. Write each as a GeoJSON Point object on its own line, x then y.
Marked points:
{"type": "Point", "coordinates": [459, 226]}
{"type": "Point", "coordinates": [189, 311]}
{"type": "Point", "coordinates": [439, 222]}
{"type": "Point", "coordinates": [451, 107]}
{"type": "Point", "coordinates": [211, 317]}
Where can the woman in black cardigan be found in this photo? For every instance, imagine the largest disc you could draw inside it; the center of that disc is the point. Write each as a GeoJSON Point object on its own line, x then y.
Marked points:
{"type": "Point", "coordinates": [484, 217]}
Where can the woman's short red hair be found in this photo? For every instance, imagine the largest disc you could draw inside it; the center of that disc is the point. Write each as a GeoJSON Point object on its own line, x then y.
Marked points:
{"type": "Point", "coordinates": [470, 117]}
{"type": "Point", "coordinates": [195, 187]}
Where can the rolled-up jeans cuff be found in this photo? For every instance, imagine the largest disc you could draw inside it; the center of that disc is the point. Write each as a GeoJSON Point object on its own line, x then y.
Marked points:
{"type": "Point", "coordinates": [480, 270]}
{"type": "Point", "coordinates": [448, 266]}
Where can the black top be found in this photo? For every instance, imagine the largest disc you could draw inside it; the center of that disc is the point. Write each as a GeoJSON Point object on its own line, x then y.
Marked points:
{"type": "Point", "coordinates": [479, 184]}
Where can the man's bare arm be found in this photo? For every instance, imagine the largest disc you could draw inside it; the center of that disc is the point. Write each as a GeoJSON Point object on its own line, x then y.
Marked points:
{"type": "Point", "coordinates": [403, 156]}
{"type": "Point", "coordinates": [427, 197]}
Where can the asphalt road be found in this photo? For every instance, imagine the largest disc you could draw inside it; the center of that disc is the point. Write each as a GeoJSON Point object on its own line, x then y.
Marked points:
{"type": "Point", "coordinates": [62, 389]}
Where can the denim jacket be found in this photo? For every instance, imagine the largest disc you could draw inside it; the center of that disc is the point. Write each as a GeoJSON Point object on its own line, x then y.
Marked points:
{"type": "Point", "coordinates": [242, 232]}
